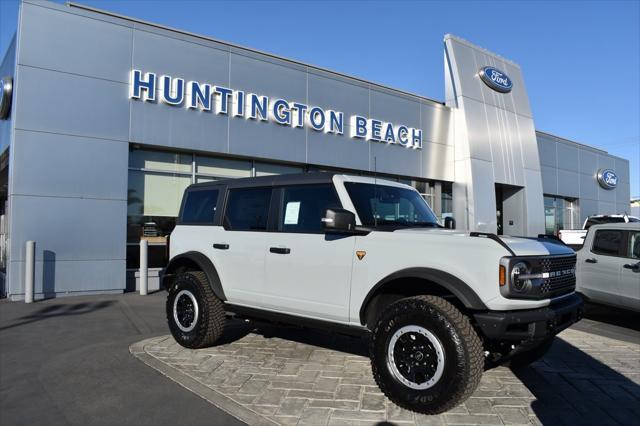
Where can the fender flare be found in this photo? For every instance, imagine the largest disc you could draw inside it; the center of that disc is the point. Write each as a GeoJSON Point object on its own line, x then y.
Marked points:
{"type": "Point", "coordinates": [205, 265]}
{"type": "Point", "coordinates": [455, 285]}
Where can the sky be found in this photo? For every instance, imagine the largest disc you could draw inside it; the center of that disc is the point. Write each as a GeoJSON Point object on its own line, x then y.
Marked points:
{"type": "Point", "coordinates": [580, 59]}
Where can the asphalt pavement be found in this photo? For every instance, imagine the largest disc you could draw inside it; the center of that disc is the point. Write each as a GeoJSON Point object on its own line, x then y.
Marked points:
{"type": "Point", "coordinates": [66, 361]}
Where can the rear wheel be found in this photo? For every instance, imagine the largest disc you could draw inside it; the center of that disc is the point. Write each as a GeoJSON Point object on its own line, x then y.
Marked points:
{"type": "Point", "coordinates": [195, 315]}
{"type": "Point", "coordinates": [425, 355]}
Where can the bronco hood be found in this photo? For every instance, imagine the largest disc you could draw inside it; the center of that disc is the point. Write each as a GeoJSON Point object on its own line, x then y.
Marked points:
{"type": "Point", "coordinates": [535, 246]}
{"type": "Point", "coordinates": [521, 246]}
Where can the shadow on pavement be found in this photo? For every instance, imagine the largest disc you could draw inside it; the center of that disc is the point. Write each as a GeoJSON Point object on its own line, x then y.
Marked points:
{"type": "Point", "coordinates": [236, 329]}
{"type": "Point", "coordinates": [613, 316]}
{"type": "Point", "coordinates": [58, 310]}
{"type": "Point", "coordinates": [571, 387]}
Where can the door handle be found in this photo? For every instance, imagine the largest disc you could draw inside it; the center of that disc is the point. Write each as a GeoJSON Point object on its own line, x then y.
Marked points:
{"type": "Point", "coordinates": [591, 260]}
{"type": "Point", "coordinates": [635, 267]}
{"type": "Point", "coordinates": [280, 250]}
{"type": "Point", "coordinates": [221, 246]}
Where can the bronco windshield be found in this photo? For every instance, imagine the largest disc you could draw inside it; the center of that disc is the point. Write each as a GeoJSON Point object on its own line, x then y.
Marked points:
{"type": "Point", "coordinates": [379, 205]}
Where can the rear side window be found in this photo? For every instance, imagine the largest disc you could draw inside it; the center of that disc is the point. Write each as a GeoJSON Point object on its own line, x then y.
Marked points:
{"type": "Point", "coordinates": [608, 243]}
{"type": "Point", "coordinates": [303, 207]}
{"type": "Point", "coordinates": [247, 209]}
{"type": "Point", "coordinates": [200, 207]}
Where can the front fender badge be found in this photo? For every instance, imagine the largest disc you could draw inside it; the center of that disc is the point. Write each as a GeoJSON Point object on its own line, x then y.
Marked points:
{"type": "Point", "coordinates": [360, 254]}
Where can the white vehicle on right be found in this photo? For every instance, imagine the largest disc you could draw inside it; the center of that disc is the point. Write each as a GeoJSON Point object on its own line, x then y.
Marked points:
{"type": "Point", "coordinates": [574, 238]}
{"type": "Point", "coordinates": [608, 265]}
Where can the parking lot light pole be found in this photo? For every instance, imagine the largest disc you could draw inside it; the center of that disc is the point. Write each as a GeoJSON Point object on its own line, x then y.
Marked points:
{"type": "Point", "coordinates": [29, 271]}
{"type": "Point", "coordinates": [144, 270]}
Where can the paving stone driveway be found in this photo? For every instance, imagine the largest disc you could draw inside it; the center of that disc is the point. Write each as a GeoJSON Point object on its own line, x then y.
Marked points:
{"type": "Point", "coordinates": [287, 376]}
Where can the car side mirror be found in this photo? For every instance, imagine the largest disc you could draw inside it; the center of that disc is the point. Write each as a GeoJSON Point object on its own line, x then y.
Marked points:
{"type": "Point", "coordinates": [339, 220]}
{"type": "Point", "coordinates": [449, 222]}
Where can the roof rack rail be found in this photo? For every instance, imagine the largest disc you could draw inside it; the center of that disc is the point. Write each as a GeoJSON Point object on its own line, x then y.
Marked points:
{"type": "Point", "coordinates": [493, 237]}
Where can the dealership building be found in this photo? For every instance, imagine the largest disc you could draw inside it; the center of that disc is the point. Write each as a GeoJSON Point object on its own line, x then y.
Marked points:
{"type": "Point", "coordinates": [107, 119]}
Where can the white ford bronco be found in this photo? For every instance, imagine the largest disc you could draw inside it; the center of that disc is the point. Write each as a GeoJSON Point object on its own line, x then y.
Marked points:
{"type": "Point", "coordinates": [363, 255]}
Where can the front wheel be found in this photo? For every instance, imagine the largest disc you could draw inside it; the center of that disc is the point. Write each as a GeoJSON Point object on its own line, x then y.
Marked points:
{"type": "Point", "coordinates": [195, 315]}
{"type": "Point", "coordinates": [425, 355]}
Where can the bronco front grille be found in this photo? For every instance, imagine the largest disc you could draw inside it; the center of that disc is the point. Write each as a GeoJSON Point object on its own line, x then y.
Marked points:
{"type": "Point", "coordinates": [560, 275]}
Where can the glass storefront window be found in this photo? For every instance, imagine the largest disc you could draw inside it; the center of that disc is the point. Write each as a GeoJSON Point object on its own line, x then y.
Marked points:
{"type": "Point", "coordinates": [201, 179]}
{"type": "Point", "coordinates": [223, 167]}
{"type": "Point", "coordinates": [560, 213]}
{"type": "Point", "coordinates": [155, 194]}
{"type": "Point", "coordinates": [263, 169]}
{"type": "Point", "coordinates": [160, 160]}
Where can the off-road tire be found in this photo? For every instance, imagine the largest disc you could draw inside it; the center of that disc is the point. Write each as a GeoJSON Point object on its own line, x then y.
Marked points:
{"type": "Point", "coordinates": [463, 354]}
{"type": "Point", "coordinates": [210, 320]}
{"type": "Point", "coordinates": [524, 359]}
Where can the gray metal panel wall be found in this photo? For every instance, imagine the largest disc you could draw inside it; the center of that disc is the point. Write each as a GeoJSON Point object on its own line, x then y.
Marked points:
{"type": "Point", "coordinates": [68, 189]}
{"type": "Point", "coordinates": [569, 170]}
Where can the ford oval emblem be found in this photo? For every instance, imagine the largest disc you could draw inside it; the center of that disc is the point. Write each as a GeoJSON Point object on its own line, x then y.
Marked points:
{"type": "Point", "coordinates": [607, 178]}
{"type": "Point", "coordinates": [496, 79]}
{"type": "Point", "coordinates": [6, 87]}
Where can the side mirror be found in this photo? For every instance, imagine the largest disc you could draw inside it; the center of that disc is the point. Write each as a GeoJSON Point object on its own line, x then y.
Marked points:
{"type": "Point", "coordinates": [449, 222]}
{"type": "Point", "coordinates": [338, 220]}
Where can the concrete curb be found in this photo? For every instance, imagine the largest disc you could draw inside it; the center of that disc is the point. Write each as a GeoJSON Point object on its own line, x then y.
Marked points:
{"type": "Point", "coordinates": [219, 400]}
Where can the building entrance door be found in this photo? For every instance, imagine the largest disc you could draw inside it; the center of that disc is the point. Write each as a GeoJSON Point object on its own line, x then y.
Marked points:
{"type": "Point", "coordinates": [499, 208]}
{"type": "Point", "coordinates": [510, 212]}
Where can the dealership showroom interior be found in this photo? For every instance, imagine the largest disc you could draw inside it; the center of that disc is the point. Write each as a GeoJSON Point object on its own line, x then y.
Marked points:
{"type": "Point", "coordinates": [255, 212]}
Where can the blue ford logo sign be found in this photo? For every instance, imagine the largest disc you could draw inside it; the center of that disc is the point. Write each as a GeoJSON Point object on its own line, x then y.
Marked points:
{"type": "Point", "coordinates": [607, 178]}
{"type": "Point", "coordinates": [6, 87]}
{"type": "Point", "coordinates": [496, 79]}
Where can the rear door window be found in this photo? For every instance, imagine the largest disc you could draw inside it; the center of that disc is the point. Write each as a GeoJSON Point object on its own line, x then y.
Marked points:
{"type": "Point", "coordinates": [200, 207]}
{"type": "Point", "coordinates": [608, 242]}
{"type": "Point", "coordinates": [247, 209]}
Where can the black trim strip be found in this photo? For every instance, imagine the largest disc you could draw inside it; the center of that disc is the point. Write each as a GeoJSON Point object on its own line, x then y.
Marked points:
{"type": "Point", "coordinates": [493, 237]}
{"type": "Point", "coordinates": [531, 323]}
{"type": "Point", "coordinates": [451, 283]}
{"type": "Point", "coordinates": [205, 266]}
{"type": "Point", "coordinates": [278, 317]}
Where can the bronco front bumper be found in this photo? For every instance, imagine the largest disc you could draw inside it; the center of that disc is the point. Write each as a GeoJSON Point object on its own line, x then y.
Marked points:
{"type": "Point", "coordinates": [531, 324]}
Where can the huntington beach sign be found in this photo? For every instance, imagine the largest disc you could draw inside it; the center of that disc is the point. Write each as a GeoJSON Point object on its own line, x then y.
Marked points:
{"type": "Point", "coordinates": [195, 95]}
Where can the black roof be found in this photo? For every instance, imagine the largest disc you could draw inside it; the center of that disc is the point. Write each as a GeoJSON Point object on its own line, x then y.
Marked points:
{"type": "Point", "coordinates": [273, 180]}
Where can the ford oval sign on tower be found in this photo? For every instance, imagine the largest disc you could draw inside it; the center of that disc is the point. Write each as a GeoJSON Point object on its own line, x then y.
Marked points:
{"type": "Point", "coordinates": [496, 79]}
{"type": "Point", "coordinates": [607, 178]}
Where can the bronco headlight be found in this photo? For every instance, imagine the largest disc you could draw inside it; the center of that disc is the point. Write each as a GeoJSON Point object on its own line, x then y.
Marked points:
{"type": "Point", "coordinates": [520, 277]}
{"type": "Point", "coordinates": [536, 277]}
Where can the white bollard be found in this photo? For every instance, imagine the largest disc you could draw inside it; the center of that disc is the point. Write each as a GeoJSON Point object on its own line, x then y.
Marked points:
{"type": "Point", "coordinates": [144, 270]}
{"type": "Point", "coordinates": [29, 271]}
